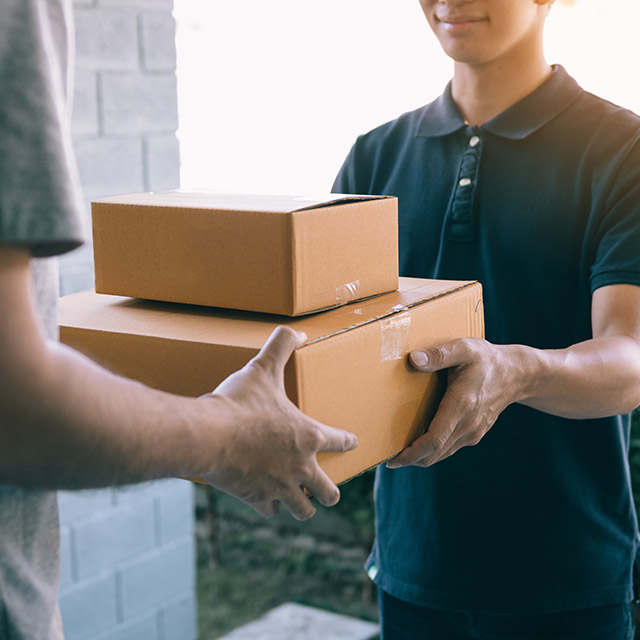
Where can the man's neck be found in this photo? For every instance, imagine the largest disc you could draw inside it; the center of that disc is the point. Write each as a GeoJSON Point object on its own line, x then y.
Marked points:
{"type": "Point", "coordinates": [481, 92]}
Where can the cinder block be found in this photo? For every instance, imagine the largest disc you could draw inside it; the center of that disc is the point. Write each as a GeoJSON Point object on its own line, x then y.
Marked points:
{"type": "Point", "coordinates": [158, 36]}
{"type": "Point", "coordinates": [110, 166]}
{"type": "Point", "coordinates": [76, 280]}
{"type": "Point", "coordinates": [145, 628]}
{"type": "Point", "coordinates": [158, 577]}
{"type": "Point", "coordinates": [66, 561]}
{"type": "Point", "coordinates": [178, 620]}
{"type": "Point", "coordinates": [135, 104]}
{"type": "Point", "coordinates": [89, 608]}
{"type": "Point", "coordinates": [113, 536]}
{"type": "Point", "coordinates": [76, 270]}
{"type": "Point", "coordinates": [162, 161]}
{"type": "Point", "coordinates": [85, 104]}
{"type": "Point", "coordinates": [106, 39]}
{"type": "Point", "coordinates": [79, 504]}
{"type": "Point", "coordinates": [133, 493]}
{"type": "Point", "coordinates": [176, 511]}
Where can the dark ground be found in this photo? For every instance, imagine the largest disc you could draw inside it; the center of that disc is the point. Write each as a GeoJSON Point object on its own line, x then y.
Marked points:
{"type": "Point", "coordinates": [251, 565]}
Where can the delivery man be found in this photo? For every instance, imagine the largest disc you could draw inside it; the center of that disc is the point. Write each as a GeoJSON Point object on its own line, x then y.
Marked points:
{"type": "Point", "coordinates": [64, 421]}
{"type": "Point", "coordinates": [512, 516]}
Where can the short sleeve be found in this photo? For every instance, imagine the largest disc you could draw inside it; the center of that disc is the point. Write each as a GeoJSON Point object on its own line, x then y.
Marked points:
{"type": "Point", "coordinates": [40, 202]}
{"type": "Point", "coordinates": [345, 181]}
{"type": "Point", "coordinates": [617, 255]}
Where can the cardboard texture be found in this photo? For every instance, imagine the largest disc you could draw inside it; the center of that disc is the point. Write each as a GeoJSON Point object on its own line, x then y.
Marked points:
{"type": "Point", "coordinates": [351, 373]}
{"type": "Point", "coordinates": [272, 254]}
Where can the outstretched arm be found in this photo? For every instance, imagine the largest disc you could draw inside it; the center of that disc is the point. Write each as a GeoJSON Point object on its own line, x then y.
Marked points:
{"type": "Point", "coordinates": [596, 378]}
{"type": "Point", "coordinates": [67, 423]}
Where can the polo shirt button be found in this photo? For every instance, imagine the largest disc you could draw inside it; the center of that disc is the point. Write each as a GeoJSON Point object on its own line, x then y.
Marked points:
{"type": "Point", "coordinates": [473, 142]}
{"type": "Point", "coordinates": [465, 182]}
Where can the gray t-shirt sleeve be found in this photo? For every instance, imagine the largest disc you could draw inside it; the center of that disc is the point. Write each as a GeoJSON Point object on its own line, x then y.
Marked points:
{"type": "Point", "coordinates": [40, 201]}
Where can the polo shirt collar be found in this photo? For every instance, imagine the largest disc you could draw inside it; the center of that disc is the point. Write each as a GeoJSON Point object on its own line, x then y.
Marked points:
{"type": "Point", "coordinates": [554, 95]}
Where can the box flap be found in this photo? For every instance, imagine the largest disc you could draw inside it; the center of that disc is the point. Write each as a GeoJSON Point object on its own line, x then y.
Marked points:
{"type": "Point", "coordinates": [91, 311]}
{"type": "Point", "coordinates": [235, 202]}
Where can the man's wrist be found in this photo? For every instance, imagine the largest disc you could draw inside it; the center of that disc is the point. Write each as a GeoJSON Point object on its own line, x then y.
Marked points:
{"type": "Point", "coordinates": [532, 369]}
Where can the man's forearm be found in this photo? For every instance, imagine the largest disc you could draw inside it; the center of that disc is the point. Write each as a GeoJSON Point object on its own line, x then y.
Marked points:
{"type": "Point", "coordinates": [67, 423]}
{"type": "Point", "coordinates": [107, 429]}
{"type": "Point", "coordinates": [592, 379]}
{"type": "Point", "coordinates": [596, 378]}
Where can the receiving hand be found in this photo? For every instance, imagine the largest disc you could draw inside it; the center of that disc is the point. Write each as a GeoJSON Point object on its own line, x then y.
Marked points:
{"type": "Point", "coordinates": [271, 453]}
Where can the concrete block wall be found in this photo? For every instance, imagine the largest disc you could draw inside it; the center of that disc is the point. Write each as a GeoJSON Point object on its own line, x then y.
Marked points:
{"type": "Point", "coordinates": [125, 108]}
{"type": "Point", "coordinates": [128, 554]}
{"type": "Point", "coordinates": [128, 562]}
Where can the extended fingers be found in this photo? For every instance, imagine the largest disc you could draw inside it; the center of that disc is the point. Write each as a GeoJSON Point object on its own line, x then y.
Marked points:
{"type": "Point", "coordinates": [268, 508]}
{"type": "Point", "coordinates": [332, 439]}
{"type": "Point", "coordinates": [319, 485]}
{"type": "Point", "coordinates": [436, 446]}
{"type": "Point", "coordinates": [277, 350]}
{"type": "Point", "coordinates": [452, 354]}
{"type": "Point", "coordinates": [298, 504]}
{"type": "Point", "coordinates": [428, 447]}
{"type": "Point", "coordinates": [421, 452]}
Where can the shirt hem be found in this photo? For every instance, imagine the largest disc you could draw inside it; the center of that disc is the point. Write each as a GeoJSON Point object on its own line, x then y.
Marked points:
{"type": "Point", "coordinates": [496, 603]}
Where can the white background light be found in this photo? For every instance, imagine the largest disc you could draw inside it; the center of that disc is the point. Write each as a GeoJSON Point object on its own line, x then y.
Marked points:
{"type": "Point", "coordinates": [273, 94]}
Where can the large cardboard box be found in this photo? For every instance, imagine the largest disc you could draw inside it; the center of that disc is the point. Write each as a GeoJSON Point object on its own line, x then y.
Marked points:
{"type": "Point", "coordinates": [272, 254]}
{"type": "Point", "coordinates": [352, 372]}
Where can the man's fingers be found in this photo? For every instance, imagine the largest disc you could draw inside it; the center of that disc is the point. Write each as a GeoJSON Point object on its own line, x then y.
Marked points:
{"type": "Point", "coordinates": [422, 448]}
{"type": "Point", "coordinates": [336, 439]}
{"type": "Point", "coordinates": [268, 508]}
{"type": "Point", "coordinates": [300, 507]}
{"type": "Point", "coordinates": [443, 356]}
{"type": "Point", "coordinates": [322, 488]}
{"type": "Point", "coordinates": [277, 350]}
{"type": "Point", "coordinates": [432, 443]}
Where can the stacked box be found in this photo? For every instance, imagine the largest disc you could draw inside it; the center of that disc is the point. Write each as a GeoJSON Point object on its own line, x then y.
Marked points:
{"type": "Point", "coordinates": [271, 254]}
{"type": "Point", "coordinates": [352, 372]}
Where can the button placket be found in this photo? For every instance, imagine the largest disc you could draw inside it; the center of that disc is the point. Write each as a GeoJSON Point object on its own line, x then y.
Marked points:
{"type": "Point", "coordinates": [460, 214]}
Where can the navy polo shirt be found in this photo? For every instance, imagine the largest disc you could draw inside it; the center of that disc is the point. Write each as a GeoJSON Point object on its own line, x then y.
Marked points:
{"type": "Point", "coordinates": [542, 205]}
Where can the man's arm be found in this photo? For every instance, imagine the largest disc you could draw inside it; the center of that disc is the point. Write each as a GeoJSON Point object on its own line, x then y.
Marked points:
{"type": "Point", "coordinates": [596, 378]}
{"type": "Point", "coordinates": [67, 423]}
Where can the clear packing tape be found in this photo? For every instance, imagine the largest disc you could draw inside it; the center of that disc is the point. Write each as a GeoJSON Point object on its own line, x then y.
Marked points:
{"type": "Point", "coordinates": [395, 336]}
{"type": "Point", "coordinates": [348, 292]}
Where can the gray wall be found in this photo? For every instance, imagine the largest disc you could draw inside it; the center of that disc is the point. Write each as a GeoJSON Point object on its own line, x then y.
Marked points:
{"type": "Point", "coordinates": [125, 108]}
{"type": "Point", "coordinates": [128, 554]}
{"type": "Point", "coordinates": [128, 563]}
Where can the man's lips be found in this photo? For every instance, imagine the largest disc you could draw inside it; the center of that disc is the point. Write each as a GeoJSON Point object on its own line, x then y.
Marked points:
{"type": "Point", "coordinates": [458, 19]}
{"type": "Point", "coordinates": [458, 24]}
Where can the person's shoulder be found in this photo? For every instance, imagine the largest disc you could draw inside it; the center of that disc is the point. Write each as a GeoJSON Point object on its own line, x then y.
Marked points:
{"type": "Point", "coordinates": [607, 113]}
{"type": "Point", "coordinates": [394, 132]}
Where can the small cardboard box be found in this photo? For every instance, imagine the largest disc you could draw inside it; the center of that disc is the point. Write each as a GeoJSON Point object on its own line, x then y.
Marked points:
{"type": "Point", "coordinates": [351, 373]}
{"type": "Point", "coordinates": [272, 254]}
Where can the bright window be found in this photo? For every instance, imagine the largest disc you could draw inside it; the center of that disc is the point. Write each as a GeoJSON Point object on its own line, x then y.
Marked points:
{"type": "Point", "coordinates": [273, 94]}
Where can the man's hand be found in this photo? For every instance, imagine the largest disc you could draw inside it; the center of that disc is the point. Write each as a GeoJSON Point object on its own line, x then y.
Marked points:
{"type": "Point", "coordinates": [591, 379]}
{"type": "Point", "coordinates": [271, 455]}
{"type": "Point", "coordinates": [481, 383]}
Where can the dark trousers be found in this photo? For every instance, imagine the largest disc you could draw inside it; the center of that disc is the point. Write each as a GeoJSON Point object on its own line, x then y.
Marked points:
{"type": "Point", "coordinates": [400, 620]}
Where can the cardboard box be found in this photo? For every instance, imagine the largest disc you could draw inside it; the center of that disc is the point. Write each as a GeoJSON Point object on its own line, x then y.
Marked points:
{"type": "Point", "coordinates": [351, 373]}
{"type": "Point", "coordinates": [272, 254]}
